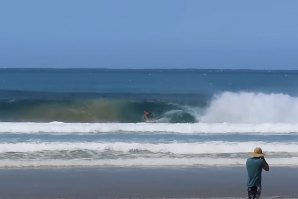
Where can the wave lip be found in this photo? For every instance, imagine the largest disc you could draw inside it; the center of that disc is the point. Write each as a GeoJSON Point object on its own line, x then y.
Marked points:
{"type": "Point", "coordinates": [179, 128]}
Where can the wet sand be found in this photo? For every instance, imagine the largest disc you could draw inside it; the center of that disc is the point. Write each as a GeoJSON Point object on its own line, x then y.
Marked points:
{"type": "Point", "coordinates": [91, 183]}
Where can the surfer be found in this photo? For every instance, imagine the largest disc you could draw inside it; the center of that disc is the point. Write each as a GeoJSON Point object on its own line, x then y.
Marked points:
{"type": "Point", "coordinates": [147, 115]}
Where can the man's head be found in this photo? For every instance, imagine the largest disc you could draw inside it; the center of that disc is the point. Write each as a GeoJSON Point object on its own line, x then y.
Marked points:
{"type": "Point", "coordinates": [258, 153]}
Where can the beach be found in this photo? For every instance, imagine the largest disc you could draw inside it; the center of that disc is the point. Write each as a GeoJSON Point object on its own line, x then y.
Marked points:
{"type": "Point", "coordinates": [112, 182]}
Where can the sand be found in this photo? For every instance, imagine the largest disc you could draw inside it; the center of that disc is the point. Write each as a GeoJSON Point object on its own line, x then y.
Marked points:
{"type": "Point", "coordinates": [91, 183]}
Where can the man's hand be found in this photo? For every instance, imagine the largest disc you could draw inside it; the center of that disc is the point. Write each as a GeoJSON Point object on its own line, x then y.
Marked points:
{"type": "Point", "coordinates": [265, 165]}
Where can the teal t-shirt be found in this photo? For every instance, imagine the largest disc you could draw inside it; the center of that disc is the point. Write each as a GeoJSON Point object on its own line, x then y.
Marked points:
{"type": "Point", "coordinates": [254, 168]}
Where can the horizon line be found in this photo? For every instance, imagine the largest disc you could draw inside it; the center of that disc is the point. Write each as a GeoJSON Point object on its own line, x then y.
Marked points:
{"type": "Point", "coordinates": [103, 68]}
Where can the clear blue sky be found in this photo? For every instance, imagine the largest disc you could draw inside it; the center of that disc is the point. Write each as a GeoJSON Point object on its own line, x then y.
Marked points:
{"type": "Point", "coordinates": [255, 34]}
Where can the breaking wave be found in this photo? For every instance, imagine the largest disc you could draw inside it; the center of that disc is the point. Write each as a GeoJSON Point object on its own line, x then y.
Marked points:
{"type": "Point", "coordinates": [226, 107]}
{"type": "Point", "coordinates": [249, 107]}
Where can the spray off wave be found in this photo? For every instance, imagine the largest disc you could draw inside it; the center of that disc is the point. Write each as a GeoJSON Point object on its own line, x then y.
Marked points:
{"type": "Point", "coordinates": [249, 107]}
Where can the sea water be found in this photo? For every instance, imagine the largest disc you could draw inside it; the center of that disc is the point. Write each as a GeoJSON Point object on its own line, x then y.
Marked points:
{"type": "Point", "coordinates": [94, 117]}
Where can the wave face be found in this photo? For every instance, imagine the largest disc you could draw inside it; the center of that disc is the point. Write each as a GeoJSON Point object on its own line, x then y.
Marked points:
{"type": "Point", "coordinates": [229, 107]}
{"type": "Point", "coordinates": [67, 118]}
{"type": "Point", "coordinates": [91, 110]}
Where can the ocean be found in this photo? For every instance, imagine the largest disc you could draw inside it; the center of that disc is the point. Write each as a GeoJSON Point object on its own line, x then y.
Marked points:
{"type": "Point", "coordinates": [94, 117]}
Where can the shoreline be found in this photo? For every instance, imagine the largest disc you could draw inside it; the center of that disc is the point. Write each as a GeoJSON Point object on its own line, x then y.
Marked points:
{"type": "Point", "coordinates": [138, 182]}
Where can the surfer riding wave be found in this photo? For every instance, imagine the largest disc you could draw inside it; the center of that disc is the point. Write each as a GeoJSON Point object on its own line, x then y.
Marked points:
{"type": "Point", "coordinates": [147, 116]}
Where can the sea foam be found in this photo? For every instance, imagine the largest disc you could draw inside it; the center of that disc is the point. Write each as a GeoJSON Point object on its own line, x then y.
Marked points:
{"type": "Point", "coordinates": [211, 147]}
{"type": "Point", "coordinates": [179, 128]}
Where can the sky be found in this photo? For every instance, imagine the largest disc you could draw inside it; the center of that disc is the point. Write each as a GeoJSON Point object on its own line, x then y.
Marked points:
{"type": "Point", "coordinates": [220, 34]}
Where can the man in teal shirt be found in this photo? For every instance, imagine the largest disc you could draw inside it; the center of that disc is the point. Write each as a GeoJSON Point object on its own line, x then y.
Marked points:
{"type": "Point", "coordinates": [254, 166]}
